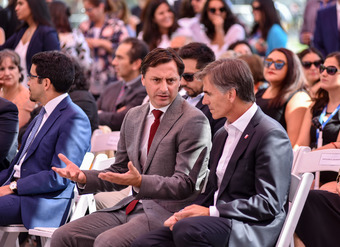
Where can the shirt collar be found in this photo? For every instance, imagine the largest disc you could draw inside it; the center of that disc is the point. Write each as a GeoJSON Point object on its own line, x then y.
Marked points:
{"type": "Point", "coordinates": [52, 104]}
{"type": "Point", "coordinates": [163, 109]}
{"type": "Point", "coordinates": [242, 122]}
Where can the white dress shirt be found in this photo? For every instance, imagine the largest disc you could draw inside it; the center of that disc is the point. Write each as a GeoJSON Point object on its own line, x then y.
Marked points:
{"type": "Point", "coordinates": [235, 131]}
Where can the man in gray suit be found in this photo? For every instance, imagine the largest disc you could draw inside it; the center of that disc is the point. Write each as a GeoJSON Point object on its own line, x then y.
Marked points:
{"type": "Point", "coordinates": [166, 173]}
{"type": "Point", "coordinates": [121, 96]}
{"type": "Point", "coordinates": [245, 201]}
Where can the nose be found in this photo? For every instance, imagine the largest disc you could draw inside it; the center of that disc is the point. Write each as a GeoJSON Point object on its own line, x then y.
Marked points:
{"type": "Point", "coordinates": [114, 62]}
{"type": "Point", "coordinates": [6, 71]}
{"type": "Point", "coordinates": [205, 100]}
{"type": "Point", "coordinates": [163, 86]}
{"type": "Point", "coordinates": [183, 82]}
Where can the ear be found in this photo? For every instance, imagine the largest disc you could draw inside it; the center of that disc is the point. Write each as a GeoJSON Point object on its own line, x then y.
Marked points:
{"type": "Point", "coordinates": [47, 83]}
{"type": "Point", "coordinates": [137, 64]}
{"type": "Point", "coordinates": [232, 95]}
{"type": "Point", "coordinates": [143, 80]}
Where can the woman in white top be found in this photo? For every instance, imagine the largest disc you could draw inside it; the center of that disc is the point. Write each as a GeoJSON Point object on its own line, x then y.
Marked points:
{"type": "Point", "coordinates": [220, 27]}
{"type": "Point", "coordinates": [159, 24]}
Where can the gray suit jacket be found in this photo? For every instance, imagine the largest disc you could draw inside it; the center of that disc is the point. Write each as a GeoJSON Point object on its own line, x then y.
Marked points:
{"type": "Point", "coordinates": [254, 189]}
{"type": "Point", "coordinates": [176, 164]}
{"type": "Point", "coordinates": [110, 103]}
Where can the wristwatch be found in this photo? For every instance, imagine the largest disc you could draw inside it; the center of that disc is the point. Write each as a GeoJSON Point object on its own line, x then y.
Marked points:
{"type": "Point", "coordinates": [13, 187]}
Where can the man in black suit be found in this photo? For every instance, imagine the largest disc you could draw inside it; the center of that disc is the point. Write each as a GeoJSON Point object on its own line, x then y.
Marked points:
{"type": "Point", "coordinates": [9, 127]}
{"type": "Point", "coordinates": [195, 57]}
{"type": "Point", "coordinates": [245, 201]}
{"type": "Point", "coordinates": [121, 96]}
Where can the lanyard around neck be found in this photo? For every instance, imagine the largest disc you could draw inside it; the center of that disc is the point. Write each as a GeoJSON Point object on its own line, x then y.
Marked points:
{"type": "Point", "coordinates": [323, 114]}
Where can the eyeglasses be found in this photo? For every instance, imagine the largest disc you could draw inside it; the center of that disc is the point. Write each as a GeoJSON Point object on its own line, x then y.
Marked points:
{"type": "Point", "coordinates": [331, 70]}
{"type": "Point", "coordinates": [213, 10]}
{"type": "Point", "coordinates": [29, 76]}
{"type": "Point", "coordinates": [307, 64]}
{"type": "Point", "coordinates": [278, 63]}
{"type": "Point", "coordinates": [256, 8]}
{"type": "Point", "coordinates": [189, 77]}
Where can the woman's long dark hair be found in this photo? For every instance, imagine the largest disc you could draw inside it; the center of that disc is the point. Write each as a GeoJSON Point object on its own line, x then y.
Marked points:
{"type": "Point", "coordinates": [60, 13]}
{"type": "Point", "coordinates": [293, 81]}
{"type": "Point", "coordinates": [40, 13]}
{"type": "Point", "coordinates": [151, 33]}
{"type": "Point", "coordinates": [321, 96]}
{"type": "Point", "coordinates": [268, 19]}
{"type": "Point", "coordinates": [230, 20]}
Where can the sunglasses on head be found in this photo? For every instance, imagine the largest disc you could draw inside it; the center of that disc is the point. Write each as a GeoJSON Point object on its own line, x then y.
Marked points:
{"type": "Point", "coordinates": [278, 63]}
{"type": "Point", "coordinates": [189, 77]}
{"type": "Point", "coordinates": [213, 10]}
{"type": "Point", "coordinates": [307, 65]}
{"type": "Point", "coordinates": [331, 70]}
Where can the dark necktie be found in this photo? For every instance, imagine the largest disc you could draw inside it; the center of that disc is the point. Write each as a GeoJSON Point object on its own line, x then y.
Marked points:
{"type": "Point", "coordinates": [157, 114]}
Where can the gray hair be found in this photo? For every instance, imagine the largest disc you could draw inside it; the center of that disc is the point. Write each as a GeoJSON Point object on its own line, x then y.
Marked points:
{"type": "Point", "coordinates": [229, 73]}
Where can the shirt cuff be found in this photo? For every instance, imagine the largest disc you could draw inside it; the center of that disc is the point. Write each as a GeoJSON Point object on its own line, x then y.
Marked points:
{"type": "Point", "coordinates": [214, 211]}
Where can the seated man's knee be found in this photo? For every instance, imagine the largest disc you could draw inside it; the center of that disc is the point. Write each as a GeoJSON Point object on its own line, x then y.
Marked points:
{"type": "Point", "coordinates": [185, 229]}
{"type": "Point", "coordinates": [58, 238]}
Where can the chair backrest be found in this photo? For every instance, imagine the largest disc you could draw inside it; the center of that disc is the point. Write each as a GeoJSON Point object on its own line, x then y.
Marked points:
{"type": "Point", "coordinates": [103, 164]}
{"type": "Point", "coordinates": [87, 161]}
{"type": "Point", "coordinates": [316, 161]}
{"type": "Point", "coordinates": [104, 141]}
{"type": "Point", "coordinates": [299, 189]}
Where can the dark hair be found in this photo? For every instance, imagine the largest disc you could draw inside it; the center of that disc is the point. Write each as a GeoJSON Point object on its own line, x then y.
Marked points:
{"type": "Point", "coordinates": [293, 81]}
{"type": "Point", "coordinates": [186, 9]}
{"type": "Point", "coordinates": [160, 56]}
{"type": "Point", "coordinates": [80, 81]}
{"type": "Point", "coordinates": [308, 50]}
{"type": "Point", "coordinates": [230, 20]}
{"type": "Point", "coordinates": [15, 59]}
{"type": "Point", "coordinates": [96, 3]}
{"type": "Point", "coordinates": [199, 52]}
{"type": "Point", "coordinates": [151, 33]}
{"type": "Point", "coordinates": [55, 66]}
{"type": "Point", "coordinates": [321, 96]}
{"type": "Point", "coordinates": [229, 73]}
{"type": "Point", "coordinates": [270, 16]}
{"type": "Point", "coordinates": [239, 42]}
{"type": "Point", "coordinates": [60, 13]}
{"type": "Point", "coordinates": [255, 64]}
{"type": "Point", "coordinates": [139, 49]}
{"type": "Point", "coordinates": [40, 12]}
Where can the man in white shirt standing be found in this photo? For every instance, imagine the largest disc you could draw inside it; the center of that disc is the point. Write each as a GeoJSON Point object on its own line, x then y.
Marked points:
{"type": "Point", "coordinates": [245, 201]}
{"type": "Point", "coordinates": [32, 193]}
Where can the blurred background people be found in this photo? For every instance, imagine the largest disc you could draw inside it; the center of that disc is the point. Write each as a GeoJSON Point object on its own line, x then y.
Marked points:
{"type": "Point", "coordinates": [241, 47]}
{"type": "Point", "coordinates": [35, 35]}
{"type": "Point", "coordinates": [72, 42]}
{"type": "Point", "coordinates": [159, 24]}
{"type": "Point", "coordinates": [311, 59]}
{"type": "Point", "coordinates": [11, 87]}
{"type": "Point", "coordinates": [103, 35]}
{"type": "Point", "coordinates": [285, 99]}
{"type": "Point", "coordinates": [267, 32]}
{"type": "Point", "coordinates": [8, 19]}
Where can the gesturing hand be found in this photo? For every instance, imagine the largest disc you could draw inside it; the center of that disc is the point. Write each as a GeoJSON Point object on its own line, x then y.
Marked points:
{"type": "Point", "coordinates": [132, 177]}
{"type": "Point", "coordinates": [71, 171]}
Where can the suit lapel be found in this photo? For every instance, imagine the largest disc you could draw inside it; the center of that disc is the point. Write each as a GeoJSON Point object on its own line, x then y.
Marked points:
{"type": "Point", "coordinates": [199, 105]}
{"type": "Point", "coordinates": [170, 118]}
{"type": "Point", "coordinates": [47, 125]}
{"type": "Point", "coordinates": [138, 132]}
{"type": "Point", "coordinates": [241, 146]}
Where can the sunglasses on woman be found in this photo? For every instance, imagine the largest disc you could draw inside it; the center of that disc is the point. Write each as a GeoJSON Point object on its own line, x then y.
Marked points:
{"type": "Point", "coordinates": [189, 77]}
{"type": "Point", "coordinates": [307, 64]}
{"type": "Point", "coordinates": [331, 70]}
{"type": "Point", "coordinates": [278, 63]}
{"type": "Point", "coordinates": [213, 10]}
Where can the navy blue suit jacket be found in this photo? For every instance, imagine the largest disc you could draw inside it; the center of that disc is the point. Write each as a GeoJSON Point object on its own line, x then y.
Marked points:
{"type": "Point", "coordinates": [45, 38]}
{"type": "Point", "coordinates": [326, 34]}
{"type": "Point", "coordinates": [9, 127]}
{"type": "Point", "coordinates": [45, 196]}
{"type": "Point", "coordinates": [254, 190]}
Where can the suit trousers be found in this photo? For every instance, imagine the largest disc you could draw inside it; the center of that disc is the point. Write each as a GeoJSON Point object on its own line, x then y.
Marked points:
{"type": "Point", "coordinates": [193, 231]}
{"type": "Point", "coordinates": [103, 229]}
{"type": "Point", "coordinates": [10, 212]}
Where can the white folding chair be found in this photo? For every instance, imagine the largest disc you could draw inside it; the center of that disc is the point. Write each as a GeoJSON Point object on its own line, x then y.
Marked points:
{"type": "Point", "coordinates": [9, 235]}
{"type": "Point", "coordinates": [104, 141]}
{"type": "Point", "coordinates": [316, 161]}
{"type": "Point", "coordinates": [77, 208]}
{"type": "Point", "coordinates": [299, 189]}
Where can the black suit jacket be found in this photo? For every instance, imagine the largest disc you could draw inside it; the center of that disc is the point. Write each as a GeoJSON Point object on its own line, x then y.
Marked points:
{"type": "Point", "coordinates": [9, 127]}
{"type": "Point", "coordinates": [255, 186]}
{"type": "Point", "coordinates": [111, 115]}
